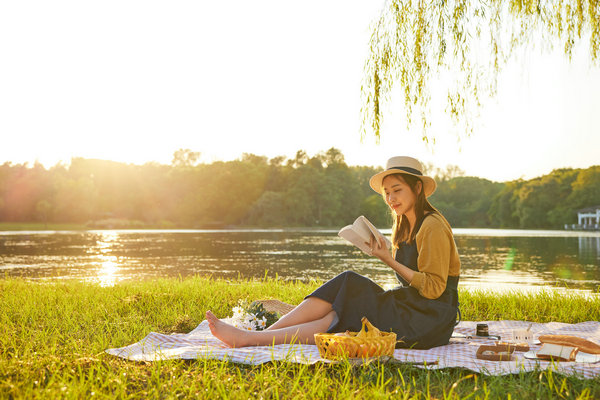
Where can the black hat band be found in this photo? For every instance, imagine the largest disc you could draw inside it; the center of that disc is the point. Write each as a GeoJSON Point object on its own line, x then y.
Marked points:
{"type": "Point", "coordinates": [409, 170]}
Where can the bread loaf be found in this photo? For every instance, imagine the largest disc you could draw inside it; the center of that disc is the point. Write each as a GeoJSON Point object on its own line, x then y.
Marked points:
{"type": "Point", "coordinates": [573, 341]}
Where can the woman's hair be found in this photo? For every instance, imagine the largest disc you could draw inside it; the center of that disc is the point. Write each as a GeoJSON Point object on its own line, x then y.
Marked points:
{"type": "Point", "coordinates": [401, 230]}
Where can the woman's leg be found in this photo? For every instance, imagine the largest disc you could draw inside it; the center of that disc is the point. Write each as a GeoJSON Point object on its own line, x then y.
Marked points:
{"type": "Point", "coordinates": [309, 310]}
{"type": "Point", "coordinates": [234, 337]}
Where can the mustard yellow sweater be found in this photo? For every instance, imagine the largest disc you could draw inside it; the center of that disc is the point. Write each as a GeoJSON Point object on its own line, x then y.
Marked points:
{"type": "Point", "coordinates": [438, 257]}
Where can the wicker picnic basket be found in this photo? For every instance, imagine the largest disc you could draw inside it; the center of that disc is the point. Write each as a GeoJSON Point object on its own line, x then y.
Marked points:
{"type": "Point", "coordinates": [368, 343]}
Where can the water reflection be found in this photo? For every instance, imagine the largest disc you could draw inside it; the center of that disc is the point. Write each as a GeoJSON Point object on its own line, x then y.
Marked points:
{"type": "Point", "coordinates": [108, 272]}
{"type": "Point", "coordinates": [589, 249]}
{"type": "Point", "coordinates": [500, 279]}
{"type": "Point", "coordinates": [502, 261]}
{"type": "Point", "coordinates": [543, 260]}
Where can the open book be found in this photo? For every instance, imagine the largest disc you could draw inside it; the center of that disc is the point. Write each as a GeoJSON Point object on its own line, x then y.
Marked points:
{"type": "Point", "coordinates": [361, 231]}
{"type": "Point", "coordinates": [566, 348]}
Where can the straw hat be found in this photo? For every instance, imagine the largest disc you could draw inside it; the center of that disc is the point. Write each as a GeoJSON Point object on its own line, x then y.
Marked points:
{"type": "Point", "coordinates": [403, 165]}
{"type": "Point", "coordinates": [273, 305]}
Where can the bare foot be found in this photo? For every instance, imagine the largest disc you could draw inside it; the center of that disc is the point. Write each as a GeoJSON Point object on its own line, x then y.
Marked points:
{"type": "Point", "coordinates": [230, 335]}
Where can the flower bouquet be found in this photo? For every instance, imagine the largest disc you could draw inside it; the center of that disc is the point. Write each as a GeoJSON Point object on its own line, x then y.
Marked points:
{"type": "Point", "coordinates": [253, 316]}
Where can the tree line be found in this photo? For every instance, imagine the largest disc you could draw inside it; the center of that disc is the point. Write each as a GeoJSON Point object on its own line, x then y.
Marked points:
{"type": "Point", "coordinates": [254, 191]}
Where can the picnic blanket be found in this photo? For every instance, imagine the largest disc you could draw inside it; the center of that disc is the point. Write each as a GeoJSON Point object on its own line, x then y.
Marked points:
{"type": "Point", "coordinates": [459, 353]}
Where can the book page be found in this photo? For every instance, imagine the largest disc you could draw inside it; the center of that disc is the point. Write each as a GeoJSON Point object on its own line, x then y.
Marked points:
{"type": "Point", "coordinates": [361, 231]}
{"type": "Point", "coordinates": [375, 232]}
{"type": "Point", "coordinates": [353, 236]}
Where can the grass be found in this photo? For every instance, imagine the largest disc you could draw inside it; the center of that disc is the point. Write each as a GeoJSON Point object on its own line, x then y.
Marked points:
{"type": "Point", "coordinates": [53, 336]}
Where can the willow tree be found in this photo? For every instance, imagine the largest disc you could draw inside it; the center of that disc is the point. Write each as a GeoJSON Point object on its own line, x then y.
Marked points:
{"type": "Point", "coordinates": [462, 45]}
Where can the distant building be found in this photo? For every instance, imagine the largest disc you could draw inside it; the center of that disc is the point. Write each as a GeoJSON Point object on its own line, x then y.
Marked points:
{"type": "Point", "coordinates": [587, 218]}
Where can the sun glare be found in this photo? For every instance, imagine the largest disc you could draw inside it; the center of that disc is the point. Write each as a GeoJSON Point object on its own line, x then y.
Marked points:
{"type": "Point", "coordinates": [108, 273]}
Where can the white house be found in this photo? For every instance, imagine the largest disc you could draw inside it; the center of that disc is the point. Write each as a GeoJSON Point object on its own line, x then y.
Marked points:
{"type": "Point", "coordinates": [589, 218]}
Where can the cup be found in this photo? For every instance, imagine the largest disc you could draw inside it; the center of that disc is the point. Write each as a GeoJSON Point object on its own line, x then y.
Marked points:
{"type": "Point", "coordinates": [482, 330]}
{"type": "Point", "coordinates": [521, 336]}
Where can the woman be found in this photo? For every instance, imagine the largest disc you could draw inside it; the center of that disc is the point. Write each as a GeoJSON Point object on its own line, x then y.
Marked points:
{"type": "Point", "coordinates": [422, 312]}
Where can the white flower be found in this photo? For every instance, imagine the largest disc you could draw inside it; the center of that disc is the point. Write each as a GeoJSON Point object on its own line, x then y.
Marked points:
{"type": "Point", "coordinates": [245, 320]}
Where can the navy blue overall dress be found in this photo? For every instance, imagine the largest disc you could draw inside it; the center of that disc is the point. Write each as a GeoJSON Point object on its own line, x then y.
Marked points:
{"type": "Point", "coordinates": [418, 322]}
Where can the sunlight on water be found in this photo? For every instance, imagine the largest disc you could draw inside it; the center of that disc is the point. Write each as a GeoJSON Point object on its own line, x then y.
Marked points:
{"type": "Point", "coordinates": [108, 274]}
{"type": "Point", "coordinates": [497, 260]}
{"type": "Point", "coordinates": [502, 280]}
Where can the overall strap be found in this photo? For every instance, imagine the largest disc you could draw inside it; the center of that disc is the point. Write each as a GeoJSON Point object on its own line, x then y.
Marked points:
{"type": "Point", "coordinates": [420, 222]}
{"type": "Point", "coordinates": [452, 286]}
{"type": "Point", "coordinates": [452, 282]}
{"type": "Point", "coordinates": [407, 253]}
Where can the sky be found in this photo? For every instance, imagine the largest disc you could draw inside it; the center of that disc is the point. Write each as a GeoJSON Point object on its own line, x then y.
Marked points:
{"type": "Point", "coordinates": [134, 81]}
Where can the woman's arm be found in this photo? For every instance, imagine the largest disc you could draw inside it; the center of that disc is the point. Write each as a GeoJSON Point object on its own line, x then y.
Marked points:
{"type": "Point", "coordinates": [383, 253]}
{"type": "Point", "coordinates": [434, 245]}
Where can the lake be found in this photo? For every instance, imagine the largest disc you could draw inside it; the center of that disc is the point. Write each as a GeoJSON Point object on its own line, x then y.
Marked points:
{"type": "Point", "coordinates": [492, 259]}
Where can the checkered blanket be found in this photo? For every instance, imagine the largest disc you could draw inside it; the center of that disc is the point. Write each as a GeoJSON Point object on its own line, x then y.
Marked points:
{"type": "Point", "coordinates": [200, 343]}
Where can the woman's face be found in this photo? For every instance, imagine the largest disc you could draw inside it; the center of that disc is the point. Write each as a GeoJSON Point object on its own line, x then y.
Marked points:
{"type": "Point", "coordinates": [398, 195]}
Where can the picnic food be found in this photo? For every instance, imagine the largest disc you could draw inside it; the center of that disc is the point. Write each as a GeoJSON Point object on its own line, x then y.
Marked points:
{"type": "Point", "coordinates": [517, 346]}
{"type": "Point", "coordinates": [368, 342]}
{"type": "Point", "coordinates": [565, 347]}
{"type": "Point", "coordinates": [499, 352]}
{"type": "Point", "coordinates": [574, 341]}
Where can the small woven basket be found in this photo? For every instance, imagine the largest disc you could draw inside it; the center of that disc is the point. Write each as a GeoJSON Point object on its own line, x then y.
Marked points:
{"type": "Point", "coordinates": [348, 345]}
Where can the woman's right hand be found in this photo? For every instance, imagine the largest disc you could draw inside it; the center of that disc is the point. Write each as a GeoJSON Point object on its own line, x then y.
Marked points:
{"type": "Point", "coordinates": [378, 250]}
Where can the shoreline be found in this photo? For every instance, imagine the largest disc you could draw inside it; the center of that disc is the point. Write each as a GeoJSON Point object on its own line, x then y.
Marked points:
{"type": "Point", "coordinates": [34, 227]}
{"type": "Point", "coordinates": [523, 290]}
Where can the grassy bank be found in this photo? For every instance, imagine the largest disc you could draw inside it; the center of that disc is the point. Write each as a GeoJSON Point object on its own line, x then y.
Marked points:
{"type": "Point", "coordinates": [53, 336]}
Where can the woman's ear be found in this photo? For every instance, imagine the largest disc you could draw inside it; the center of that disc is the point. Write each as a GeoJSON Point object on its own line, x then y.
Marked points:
{"type": "Point", "coordinates": [419, 187]}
